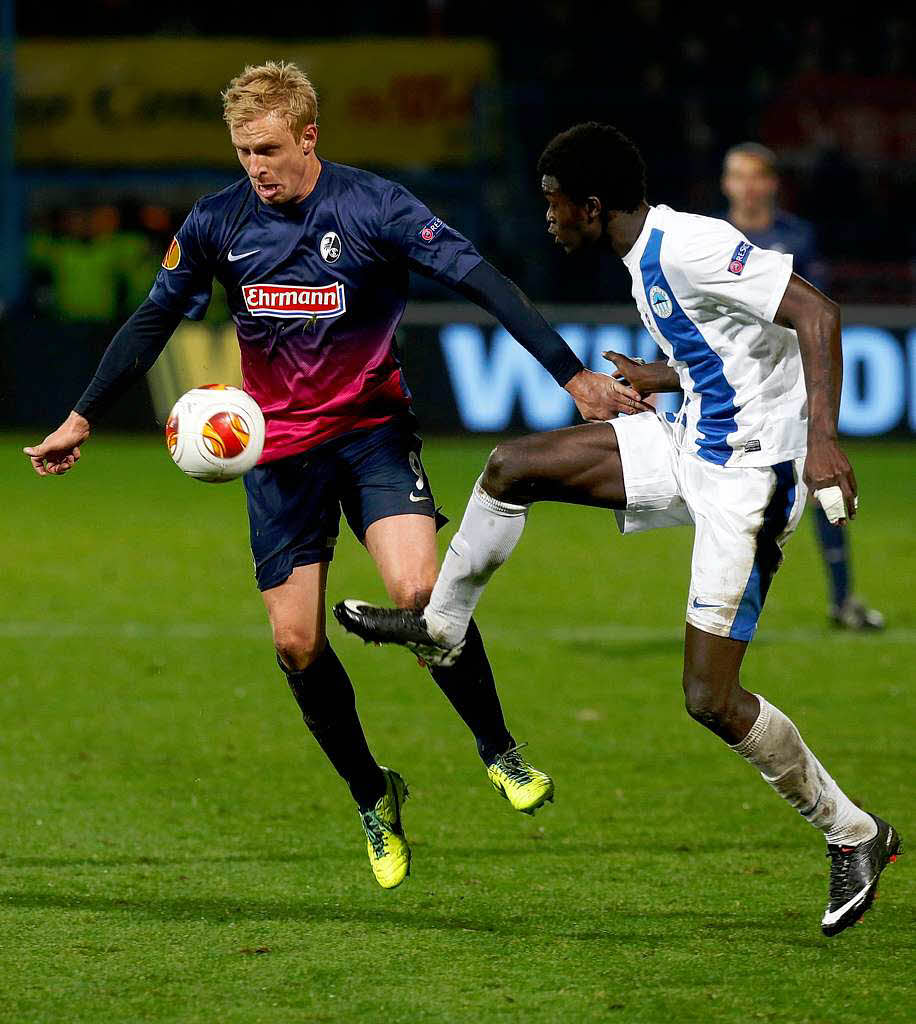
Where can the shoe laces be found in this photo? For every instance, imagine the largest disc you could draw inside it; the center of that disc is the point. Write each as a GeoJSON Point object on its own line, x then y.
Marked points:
{"type": "Point", "coordinates": [404, 620]}
{"type": "Point", "coordinates": [407, 618]}
{"type": "Point", "coordinates": [841, 862]}
{"type": "Point", "coordinates": [375, 831]}
{"type": "Point", "coordinates": [514, 766]}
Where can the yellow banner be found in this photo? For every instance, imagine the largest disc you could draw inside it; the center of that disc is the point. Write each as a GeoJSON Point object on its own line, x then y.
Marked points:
{"type": "Point", "coordinates": [197, 354]}
{"type": "Point", "coordinates": [156, 102]}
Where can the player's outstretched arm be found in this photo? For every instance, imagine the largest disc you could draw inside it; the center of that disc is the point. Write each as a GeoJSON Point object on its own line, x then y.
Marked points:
{"type": "Point", "coordinates": [132, 351]}
{"type": "Point", "coordinates": [816, 320]}
{"type": "Point", "coordinates": [597, 395]}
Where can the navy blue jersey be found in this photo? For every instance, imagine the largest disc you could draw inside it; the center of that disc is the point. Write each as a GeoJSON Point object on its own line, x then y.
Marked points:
{"type": "Point", "coordinates": [789, 233]}
{"type": "Point", "coordinates": [316, 290]}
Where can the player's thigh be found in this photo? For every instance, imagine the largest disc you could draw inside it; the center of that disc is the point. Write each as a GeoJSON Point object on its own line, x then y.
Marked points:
{"type": "Point", "coordinates": [404, 549]}
{"type": "Point", "coordinates": [711, 663]}
{"type": "Point", "coordinates": [389, 504]}
{"type": "Point", "coordinates": [743, 516]}
{"type": "Point", "coordinates": [293, 515]}
{"type": "Point", "coordinates": [296, 610]}
{"type": "Point", "coordinates": [580, 465]}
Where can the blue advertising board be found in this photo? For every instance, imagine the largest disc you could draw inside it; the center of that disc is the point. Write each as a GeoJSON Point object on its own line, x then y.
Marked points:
{"type": "Point", "coordinates": [494, 385]}
{"type": "Point", "coordinates": [465, 372]}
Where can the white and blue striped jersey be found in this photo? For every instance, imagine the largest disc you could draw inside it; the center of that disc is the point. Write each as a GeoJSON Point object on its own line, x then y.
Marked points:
{"type": "Point", "coordinates": [708, 297]}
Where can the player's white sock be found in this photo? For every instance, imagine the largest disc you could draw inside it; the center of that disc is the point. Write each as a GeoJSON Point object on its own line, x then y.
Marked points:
{"type": "Point", "coordinates": [776, 749]}
{"type": "Point", "coordinates": [488, 534]}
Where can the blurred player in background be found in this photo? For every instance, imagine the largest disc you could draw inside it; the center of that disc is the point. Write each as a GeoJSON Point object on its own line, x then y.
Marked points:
{"type": "Point", "coordinates": [314, 258]}
{"type": "Point", "coordinates": [757, 352]}
{"type": "Point", "coordinates": [750, 182]}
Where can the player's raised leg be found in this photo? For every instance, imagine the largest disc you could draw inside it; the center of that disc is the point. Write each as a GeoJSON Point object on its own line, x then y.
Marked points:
{"type": "Point", "coordinates": [578, 464]}
{"type": "Point", "coordinates": [325, 696]}
{"type": "Point", "coordinates": [859, 844]}
{"type": "Point", "coordinates": [404, 549]}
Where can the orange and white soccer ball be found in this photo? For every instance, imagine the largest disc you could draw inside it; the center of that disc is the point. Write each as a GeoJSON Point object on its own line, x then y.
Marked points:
{"type": "Point", "coordinates": [215, 433]}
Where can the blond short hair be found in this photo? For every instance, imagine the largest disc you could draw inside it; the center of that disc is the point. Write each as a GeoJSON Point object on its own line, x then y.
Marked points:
{"type": "Point", "coordinates": [276, 87]}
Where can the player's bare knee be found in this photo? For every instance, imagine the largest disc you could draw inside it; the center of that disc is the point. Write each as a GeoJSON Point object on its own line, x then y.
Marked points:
{"type": "Point", "coordinates": [706, 703]}
{"type": "Point", "coordinates": [296, 647]}
{"type": "Point", "coordinates": [505, 470]}
{"type": "Point", "coordinates": [411, 594]}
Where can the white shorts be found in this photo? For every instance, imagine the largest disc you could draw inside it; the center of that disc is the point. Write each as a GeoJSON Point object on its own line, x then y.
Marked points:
{"type": "Point", "coordinates": [743, 518]}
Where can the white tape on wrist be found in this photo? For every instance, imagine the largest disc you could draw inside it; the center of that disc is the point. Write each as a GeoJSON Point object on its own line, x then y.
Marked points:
{"type": "Point", "coordinates": [831, 499]}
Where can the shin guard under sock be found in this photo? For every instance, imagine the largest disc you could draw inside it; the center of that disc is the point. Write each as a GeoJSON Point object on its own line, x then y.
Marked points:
{"type": "Point", "coordinates": [470, 687]}
{"type": "Point", "coordinates": [487, 536]}
{"type": "Point", "coordinates": [775, 748]}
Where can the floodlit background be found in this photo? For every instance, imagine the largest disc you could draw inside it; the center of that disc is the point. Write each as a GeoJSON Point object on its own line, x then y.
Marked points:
{"type": "Point", "coordinates": [113, 129]}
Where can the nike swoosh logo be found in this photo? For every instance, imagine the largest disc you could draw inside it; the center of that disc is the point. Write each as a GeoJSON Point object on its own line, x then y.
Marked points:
{"type": "Point", "coordinates": [416, 497]}
{"type": "Point", "coordinates": [700, 604]}
{"type": "Point", "coordinates": [240, 256]}
{"type": "Point", "coordinates": [831, 917]}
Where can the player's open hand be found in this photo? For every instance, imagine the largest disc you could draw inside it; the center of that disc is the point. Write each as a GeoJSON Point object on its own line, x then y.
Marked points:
{"type": "Point", "coordinates": [60, 451]}
{"type": "Point", "coordinates": [645, 378]}
{"type": "Point", "coordinates": [600, 397]}
{"type": "Point", "coordinates": [827, 470]}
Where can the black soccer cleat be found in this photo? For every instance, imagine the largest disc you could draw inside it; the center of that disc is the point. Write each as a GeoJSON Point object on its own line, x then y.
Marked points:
{"type": "Point", "coordinates": [854, 874]}
{"type": "Point", "coordinates": [395, 626]}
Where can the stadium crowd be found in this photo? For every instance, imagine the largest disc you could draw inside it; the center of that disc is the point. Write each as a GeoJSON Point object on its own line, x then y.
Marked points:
{"type": "Point", "coordinates": [837, 107]}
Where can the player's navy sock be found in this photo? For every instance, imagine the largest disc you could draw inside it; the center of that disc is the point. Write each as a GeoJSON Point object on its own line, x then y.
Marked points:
{"type": "Point", "coordinates": [834, 545]}
{"type": "Point", "coordinates": [470, 687]}
{"type": "Point", "coordinates": [325, 696]}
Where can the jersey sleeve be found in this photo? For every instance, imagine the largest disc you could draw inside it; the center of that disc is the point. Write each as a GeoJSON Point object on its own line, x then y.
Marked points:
{"type": "Point", "coordinates": [724, 266]}
{"type": "Point", "coordinates": [184, 283]}
{"type": "Point", "coordinates": [430, 245]}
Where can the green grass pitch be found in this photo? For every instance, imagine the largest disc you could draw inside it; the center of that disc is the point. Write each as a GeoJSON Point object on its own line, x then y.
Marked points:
{"type": "Point", "coordinates": [174, 847]}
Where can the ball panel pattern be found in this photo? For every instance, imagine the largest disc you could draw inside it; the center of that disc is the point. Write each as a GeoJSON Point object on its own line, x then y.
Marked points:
{"type": "Point", "coordinates": [226, 435]}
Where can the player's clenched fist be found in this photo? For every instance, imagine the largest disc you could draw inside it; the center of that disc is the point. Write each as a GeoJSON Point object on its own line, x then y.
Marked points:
{"type": "Point", "coordinates": [831, 479]}
{"type": "Point", "coordinates": [60, 451]}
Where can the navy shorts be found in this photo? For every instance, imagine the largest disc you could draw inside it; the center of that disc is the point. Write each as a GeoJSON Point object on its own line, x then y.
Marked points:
{"type": "Point", "coordinates": [294, 504]}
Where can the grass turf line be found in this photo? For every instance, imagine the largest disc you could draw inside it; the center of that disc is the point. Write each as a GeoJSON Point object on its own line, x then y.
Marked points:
{"type": "Point", "coordinates": [173, 847]}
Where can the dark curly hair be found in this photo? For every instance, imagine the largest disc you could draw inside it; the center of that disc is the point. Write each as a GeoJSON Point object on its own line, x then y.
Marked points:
{"type": "Point", "coordinates": [595, 159]}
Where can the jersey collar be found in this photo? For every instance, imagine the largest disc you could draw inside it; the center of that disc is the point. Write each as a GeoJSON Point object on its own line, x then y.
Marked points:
{"type": "Point", "coordinates": [631, 260]}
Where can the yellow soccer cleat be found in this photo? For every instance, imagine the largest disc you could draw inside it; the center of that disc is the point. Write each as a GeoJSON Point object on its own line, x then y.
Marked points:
{"type": "Point", "coordinates": [523, 785]}
{"type": "Point", "coordinates": [386, 843]}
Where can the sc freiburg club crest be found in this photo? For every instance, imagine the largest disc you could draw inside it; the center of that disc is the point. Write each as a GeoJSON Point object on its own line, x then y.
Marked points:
{"type": "Point", "coordinates": [330, 247]}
